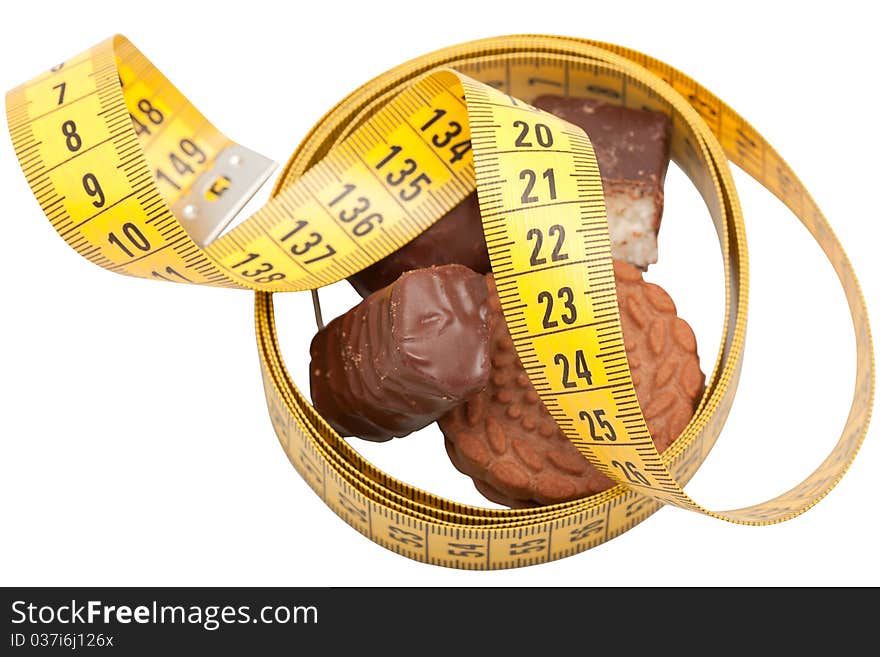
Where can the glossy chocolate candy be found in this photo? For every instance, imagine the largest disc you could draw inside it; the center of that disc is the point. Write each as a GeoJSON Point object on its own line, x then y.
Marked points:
{"type": "Point", "coordinates": [405, 355]}
{"type": "Point", "coordinates": [456, 238]}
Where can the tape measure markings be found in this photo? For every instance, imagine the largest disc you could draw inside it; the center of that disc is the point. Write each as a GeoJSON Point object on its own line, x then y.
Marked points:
{"type": "Point", "coordinates": [345, 146]}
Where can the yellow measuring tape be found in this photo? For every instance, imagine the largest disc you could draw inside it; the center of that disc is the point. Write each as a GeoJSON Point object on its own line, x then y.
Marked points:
{"type": "Point", "coordinates": [135, 179]}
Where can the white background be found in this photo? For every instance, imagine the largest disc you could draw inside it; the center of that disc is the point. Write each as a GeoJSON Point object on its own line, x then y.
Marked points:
{"type": "Point", "coordinates": [196, 491]}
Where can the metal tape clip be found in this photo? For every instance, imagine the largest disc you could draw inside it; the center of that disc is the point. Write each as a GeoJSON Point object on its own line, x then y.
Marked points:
{"type": "Point", "coordinates": [219, 193]}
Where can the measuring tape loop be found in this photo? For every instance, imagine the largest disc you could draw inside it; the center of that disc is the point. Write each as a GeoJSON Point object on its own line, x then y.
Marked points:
{"type": "Point", "coordinates": [135, 179]}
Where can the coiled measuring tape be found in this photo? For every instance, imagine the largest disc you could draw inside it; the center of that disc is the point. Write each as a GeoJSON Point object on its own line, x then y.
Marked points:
{"type": "Point", "coordinates": [135, 179]}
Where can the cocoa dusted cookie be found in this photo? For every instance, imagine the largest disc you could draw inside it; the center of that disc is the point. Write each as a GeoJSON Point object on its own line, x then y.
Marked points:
{"type": "Point", "coordinates": [405, 355]}
{"type": "Point", "coordinates": [504, 438]}
{"type": "Point", "coordinates": [632, 149]}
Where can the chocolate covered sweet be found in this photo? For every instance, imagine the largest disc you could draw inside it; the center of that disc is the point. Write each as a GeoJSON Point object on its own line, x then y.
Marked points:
{"type": "Point", "coordinates": [456, 238]}
{"type": "Point", "coordinates": [405, 355]}
{"type": "Point", "coordinates": [632, 149]}
{"type": "Point", "coordinates": [506, 441]}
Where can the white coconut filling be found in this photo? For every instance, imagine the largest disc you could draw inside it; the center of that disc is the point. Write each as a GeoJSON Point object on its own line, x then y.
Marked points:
{"type": "Point", "coordinates": [631, 223]}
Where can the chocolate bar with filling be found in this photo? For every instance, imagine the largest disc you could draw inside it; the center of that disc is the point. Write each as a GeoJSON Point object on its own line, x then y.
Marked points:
{"type": "Point", "coordinates": [632, 149]}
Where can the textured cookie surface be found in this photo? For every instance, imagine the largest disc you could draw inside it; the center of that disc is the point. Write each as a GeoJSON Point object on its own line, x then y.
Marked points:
{"type": "Point", "coordinates": [504, 438]}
